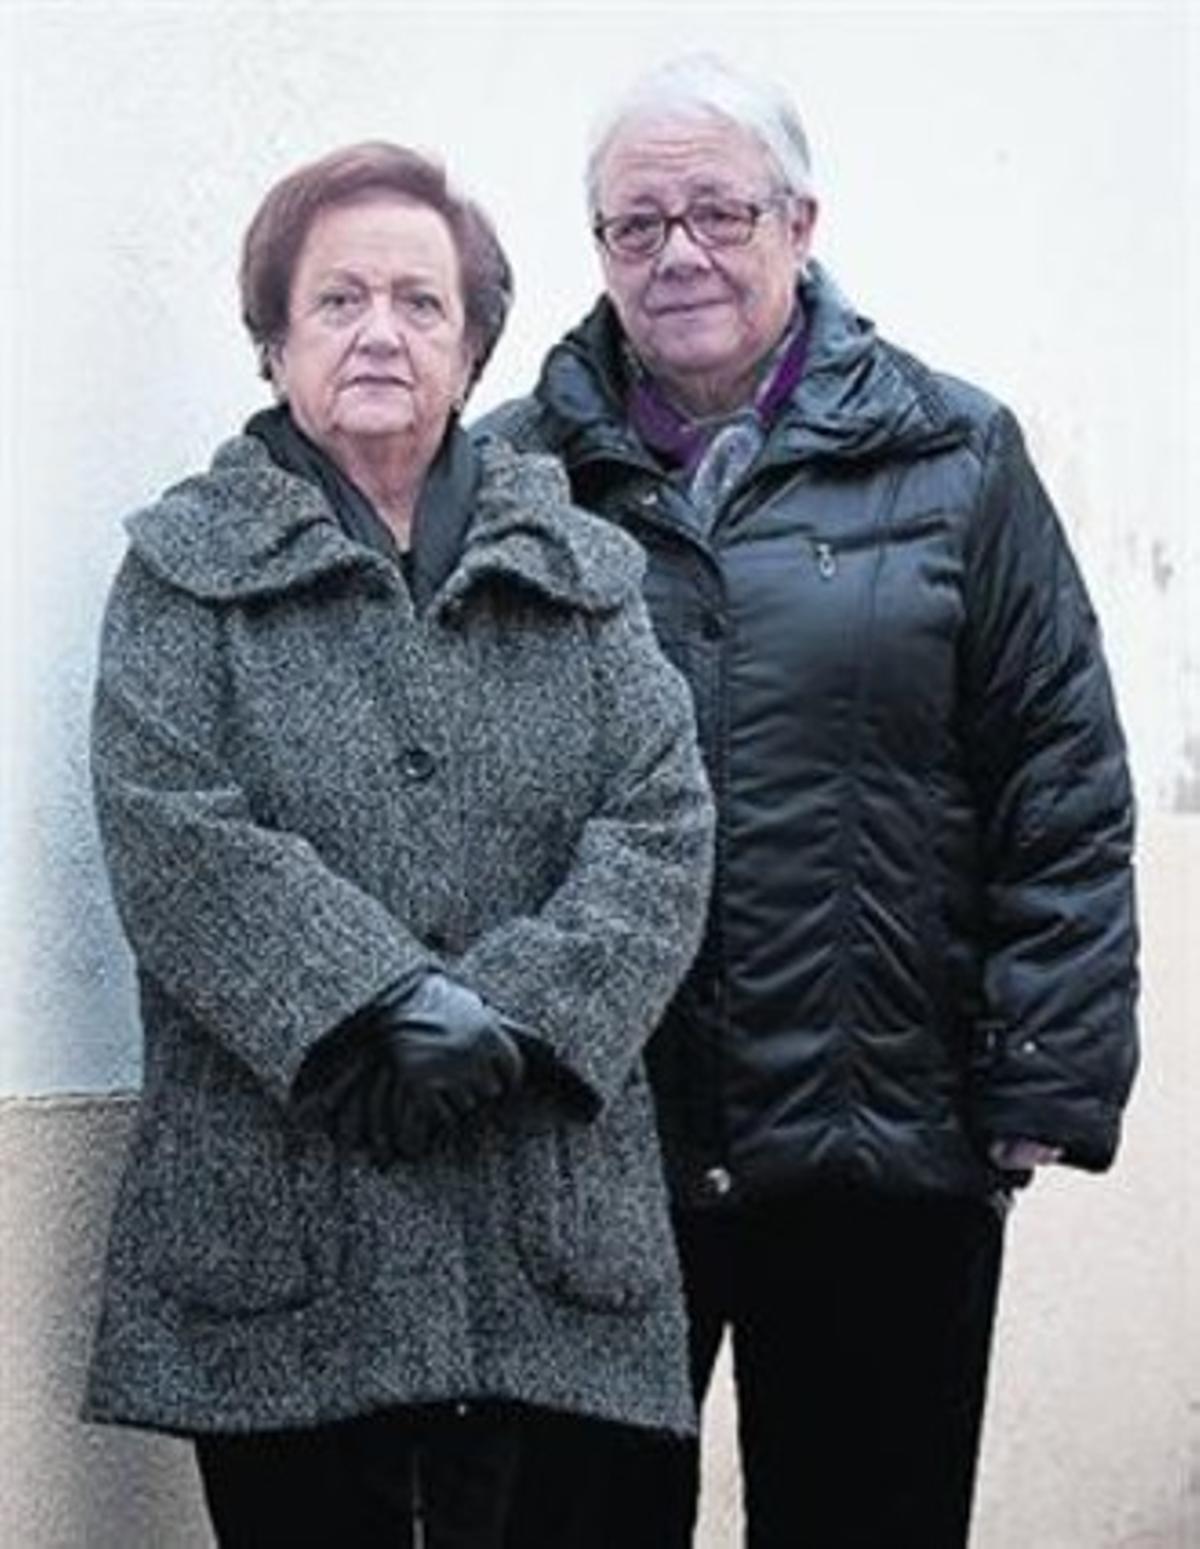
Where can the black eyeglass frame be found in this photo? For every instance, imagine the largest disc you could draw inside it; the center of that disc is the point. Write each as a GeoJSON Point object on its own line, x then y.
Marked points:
{"type": "Point", "coordinates": [751, 210]}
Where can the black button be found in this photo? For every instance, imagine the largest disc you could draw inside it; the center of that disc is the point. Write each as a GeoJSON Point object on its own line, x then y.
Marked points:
{"type": "Point", "coordinates": [712, 626]}
{"type": "Point", "coordinates": [417, 764]}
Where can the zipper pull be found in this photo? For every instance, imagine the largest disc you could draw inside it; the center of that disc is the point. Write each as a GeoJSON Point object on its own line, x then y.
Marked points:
{"type": "Point", "coordinates": [826, 561]}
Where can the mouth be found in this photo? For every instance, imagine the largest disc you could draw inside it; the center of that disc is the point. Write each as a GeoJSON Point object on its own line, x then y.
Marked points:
{"type": "Point", "coordinates": [372, 379]}
{"type": "Point", "coordinates": [685, 307]}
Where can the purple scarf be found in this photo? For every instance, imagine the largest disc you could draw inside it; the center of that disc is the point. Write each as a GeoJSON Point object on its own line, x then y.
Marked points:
{"type": "Point", "coordinates": [682, 440]}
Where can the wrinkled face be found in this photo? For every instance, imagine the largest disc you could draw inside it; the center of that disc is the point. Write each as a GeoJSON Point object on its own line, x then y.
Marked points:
{"type": "Point", "coordinates": [701, 318]}
{"type": "Point", "coordinates": [375, 344]}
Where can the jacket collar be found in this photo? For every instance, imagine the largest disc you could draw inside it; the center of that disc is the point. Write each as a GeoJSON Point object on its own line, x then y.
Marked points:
{"type": "Point", "coordinates": [247, 529]}
{"type": "Point", "coordinates": [859, 397]}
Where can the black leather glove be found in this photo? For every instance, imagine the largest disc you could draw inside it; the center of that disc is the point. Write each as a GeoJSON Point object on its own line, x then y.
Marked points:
{"type": "Point", "coordinates": [427, 1054]}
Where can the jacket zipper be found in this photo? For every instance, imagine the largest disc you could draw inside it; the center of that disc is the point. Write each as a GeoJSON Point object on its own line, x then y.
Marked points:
{"type": "Point", "coordinates": [877, 535]}
{"type": "Point", "coordinates": [826, 551]}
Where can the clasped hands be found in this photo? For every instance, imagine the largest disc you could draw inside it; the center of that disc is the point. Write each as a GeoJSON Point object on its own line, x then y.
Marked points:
{"type": "Point", "coordinates": [415, 1064]}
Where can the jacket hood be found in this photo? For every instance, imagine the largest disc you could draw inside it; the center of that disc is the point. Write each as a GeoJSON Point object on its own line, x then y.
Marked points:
{"type": "Point", "coordinates": [247, 529]}
{"type": "Point", "coordinates": [859, 396]}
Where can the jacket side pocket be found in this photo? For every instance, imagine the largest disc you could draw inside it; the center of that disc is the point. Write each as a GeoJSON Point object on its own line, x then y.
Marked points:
{"type": "Point", "coordinates": [589, 1207]}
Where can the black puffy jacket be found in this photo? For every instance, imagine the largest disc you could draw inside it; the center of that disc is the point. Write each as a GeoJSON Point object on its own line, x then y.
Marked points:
{"type": "Point", "coordinates": [922, 935]}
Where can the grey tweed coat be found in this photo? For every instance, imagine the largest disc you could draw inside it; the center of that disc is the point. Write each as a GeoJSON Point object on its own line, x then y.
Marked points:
{"type": "Point", "coordinates": [305, 790]}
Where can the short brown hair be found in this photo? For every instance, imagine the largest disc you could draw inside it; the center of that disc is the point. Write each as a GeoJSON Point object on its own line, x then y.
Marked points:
{"type": "Point", "coordinates": [276, 235]}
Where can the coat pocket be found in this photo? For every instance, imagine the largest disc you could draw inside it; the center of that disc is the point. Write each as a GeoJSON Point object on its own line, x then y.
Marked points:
{"type": "Point", "coordinates": [241, 1213]}
{"type": "Point", "coordinates": [590, 1210]}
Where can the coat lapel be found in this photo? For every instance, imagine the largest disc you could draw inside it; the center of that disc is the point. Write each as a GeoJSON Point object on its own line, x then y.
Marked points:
{"type": "Point", "coordinates": [248, 530]}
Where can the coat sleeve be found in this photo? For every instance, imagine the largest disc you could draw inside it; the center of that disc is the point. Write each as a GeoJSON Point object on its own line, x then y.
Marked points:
{"type": "Point", "coordinates": [592, 971]}
{"type": "Point", "coordinates": [242, 925]}
{"type": "Point", "coordinates": [1056, 1050]}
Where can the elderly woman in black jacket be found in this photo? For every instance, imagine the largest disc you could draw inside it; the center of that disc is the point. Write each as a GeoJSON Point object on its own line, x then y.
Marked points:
{"type": "Point", "coordinates": [409, 834]}
{"type": "Point", "coordinates": [919, 976]}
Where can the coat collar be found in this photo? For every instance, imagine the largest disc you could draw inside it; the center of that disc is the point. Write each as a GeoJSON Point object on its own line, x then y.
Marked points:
{"type": "Point", "coordinates": [859, 397]}
{"type": "Point", "coordinates": [247, 529]}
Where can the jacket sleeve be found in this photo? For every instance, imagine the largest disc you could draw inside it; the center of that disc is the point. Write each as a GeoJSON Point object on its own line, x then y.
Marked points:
{"type": "Point", "coordinates": [1056, 1050]}
{"type": "Point", "coordinates": [592, 971]}
{"type": "Point", "coordinates": [242, 925]}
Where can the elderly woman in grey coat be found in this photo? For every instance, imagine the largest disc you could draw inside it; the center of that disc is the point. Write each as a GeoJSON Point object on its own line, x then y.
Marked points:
{"type": "Point", "coordinates": [408, 832]}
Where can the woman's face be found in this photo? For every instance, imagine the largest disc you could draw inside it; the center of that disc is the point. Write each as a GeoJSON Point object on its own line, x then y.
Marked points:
{"type": "Point", "coordinates": [375, 355]}
{"type": "Point", "coordinates": [702, 318]}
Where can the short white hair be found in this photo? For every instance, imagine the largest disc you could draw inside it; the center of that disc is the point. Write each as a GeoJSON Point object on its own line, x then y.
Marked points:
{"type": "Point", "coordinates": [700, 85]}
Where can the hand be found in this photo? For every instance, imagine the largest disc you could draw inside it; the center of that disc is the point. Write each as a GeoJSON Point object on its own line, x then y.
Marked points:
{"type": "Point", "coordinates": [430, 1054]}
{"type": "Point", "coordinates": [444, 1043]}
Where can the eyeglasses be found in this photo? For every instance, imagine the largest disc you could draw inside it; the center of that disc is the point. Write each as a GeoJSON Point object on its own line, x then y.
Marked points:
{"type": "Point", "coordinates": [711, 223]}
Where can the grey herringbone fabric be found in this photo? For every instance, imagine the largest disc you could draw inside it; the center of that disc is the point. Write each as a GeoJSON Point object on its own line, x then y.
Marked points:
{"type": "Point", "coordinates": [305, 789]}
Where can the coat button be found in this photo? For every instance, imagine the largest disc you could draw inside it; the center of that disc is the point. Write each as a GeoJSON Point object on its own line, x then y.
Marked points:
{"type": "Point", "coordinates": [712, 626]}
{"type": "Point", "coordinates": [417, 764]}
{"type": "Point", "coordinates": [718, 1182]}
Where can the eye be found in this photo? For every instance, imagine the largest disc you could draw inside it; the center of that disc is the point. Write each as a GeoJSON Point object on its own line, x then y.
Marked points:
{"type": "Point", "coordinates": [638, 226]}
{"type": "Point", "coordinates": [424, 306]}
{"type": "Point", "coordinates": [719, 218]}
{"type": "Point", "coordinates": [340, 303]}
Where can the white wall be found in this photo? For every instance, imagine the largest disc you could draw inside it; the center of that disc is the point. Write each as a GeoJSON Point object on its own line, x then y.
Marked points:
{"type": "Point", "coordinates": [1004, 192]}
{"type": "Point", "coordinates": [1012, 191]}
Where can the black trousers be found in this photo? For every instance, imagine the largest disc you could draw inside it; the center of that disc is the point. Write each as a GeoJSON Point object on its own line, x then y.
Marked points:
{"type": "Point", "coordinates": [367, 1484]}
{"type": "Point", "coordinates": [861, 1330]}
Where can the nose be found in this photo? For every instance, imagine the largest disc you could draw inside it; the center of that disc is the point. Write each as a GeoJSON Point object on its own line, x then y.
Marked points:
{"type": "Point", "coordinates": [681, 252]}
{"type": "Point", "coordinates": [380, 331]}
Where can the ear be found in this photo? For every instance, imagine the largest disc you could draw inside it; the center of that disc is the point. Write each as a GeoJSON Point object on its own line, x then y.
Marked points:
{"type": "Point", "coordinates": [802, 221]}
{"type": "Point", "coordinates": [273, 367]}
{"type": "Point", "coordinates": [468, 376]}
